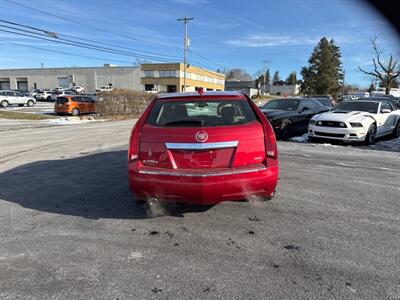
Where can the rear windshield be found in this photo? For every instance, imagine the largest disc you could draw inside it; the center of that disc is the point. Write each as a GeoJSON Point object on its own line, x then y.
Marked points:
{"type": "Point", "coordinates": [200, 113]}
{"type": "Point", "coordinates": [61, 100]}
{"type": "Point", "coordinates": [371, 107]}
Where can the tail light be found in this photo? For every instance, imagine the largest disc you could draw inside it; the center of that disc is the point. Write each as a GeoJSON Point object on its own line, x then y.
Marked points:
{"type": "Point", "coordinates": [134, 142]}
{"type": "Point", "coordinates": [271, 149]}
{"type": "Point", "coordinates": [133, 151]}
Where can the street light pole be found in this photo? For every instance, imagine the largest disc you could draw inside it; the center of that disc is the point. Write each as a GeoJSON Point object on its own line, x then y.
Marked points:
{"type": "Point", "coordinates": [185, 46]}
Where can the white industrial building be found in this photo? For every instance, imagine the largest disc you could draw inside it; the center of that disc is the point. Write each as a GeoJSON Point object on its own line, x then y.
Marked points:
{"type": "Point", "coordinates": [127, 77]}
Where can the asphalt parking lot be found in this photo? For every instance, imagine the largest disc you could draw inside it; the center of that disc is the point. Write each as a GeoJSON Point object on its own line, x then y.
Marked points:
{"type": "Point", "coordinates": [69, 227]}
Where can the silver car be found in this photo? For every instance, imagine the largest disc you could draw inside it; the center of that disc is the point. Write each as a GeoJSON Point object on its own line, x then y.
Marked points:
{"type": "Point", "coordinates": [14, 98]}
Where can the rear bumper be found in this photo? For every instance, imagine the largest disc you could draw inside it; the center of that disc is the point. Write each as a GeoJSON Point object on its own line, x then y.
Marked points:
{"type": "Point", "coordinates": [202, 187]}
{"type": "Point", "coordinates": [61, 109]}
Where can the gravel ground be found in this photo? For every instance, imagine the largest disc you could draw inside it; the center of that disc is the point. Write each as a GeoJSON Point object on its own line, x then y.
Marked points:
{"type": "Point", "coordinates": [69, 227]}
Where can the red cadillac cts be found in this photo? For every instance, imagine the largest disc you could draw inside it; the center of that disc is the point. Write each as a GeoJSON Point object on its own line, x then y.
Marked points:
{"type": "Point", "coordinates": [202, 148]}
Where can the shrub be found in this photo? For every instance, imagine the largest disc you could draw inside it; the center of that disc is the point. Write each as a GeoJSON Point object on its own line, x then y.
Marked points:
{"type": "Point", "coordinates": [122, 103]}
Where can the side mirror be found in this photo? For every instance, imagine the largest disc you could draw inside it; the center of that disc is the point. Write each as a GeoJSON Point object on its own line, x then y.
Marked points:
{"type": "Point", "coordinates": [386, 111]}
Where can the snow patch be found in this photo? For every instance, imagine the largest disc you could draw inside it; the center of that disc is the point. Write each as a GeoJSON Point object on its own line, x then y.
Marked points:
{"type": "Point", "coordinates": [70, 121]}
{"type": "Point", "coordinates": [300, 139]}
{"type": "Point", "coordinates": [389, 145]}
{"type": "Point", "coordinates": [135, 255]}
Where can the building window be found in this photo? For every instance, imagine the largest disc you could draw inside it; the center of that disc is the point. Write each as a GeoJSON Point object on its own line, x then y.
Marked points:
{"type": "Point", "coordinates": [170, 73]}
{"type": "Point", "coordinates": [148, 73]}
{"type": "Point", "coordinates": [171, 88]}
{"type": "Point", "coordinates": [149, 87]}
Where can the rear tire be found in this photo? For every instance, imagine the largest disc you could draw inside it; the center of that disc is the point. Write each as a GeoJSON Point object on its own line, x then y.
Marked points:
{"type": "Point", "coordinates": [75, 112]}
{"type": "Point", "coordinates": [30, 103]}
{"type": "Point", "coordinates": [370, 137]}
{"type": "Point", "coordinates": [4, 103]}
{"type": "Point", "coordinates": [286, 129]}
{"type": "Point", "coordinates": [396, 130]}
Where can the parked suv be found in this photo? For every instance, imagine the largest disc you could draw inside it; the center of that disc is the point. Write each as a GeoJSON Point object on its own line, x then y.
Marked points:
{"type": "Point", "coordinates": [44, 95]}
{"type": "Point", "coordinates": [202, 148]}
{"type": "Point", "coordinates": [8, 97]}
{"type": "Point", "coordinates": [78, 89]}
{"type": "Point", "coordinates": [104, 89]}
{"type": "Point", "coordinates": [56, 94]}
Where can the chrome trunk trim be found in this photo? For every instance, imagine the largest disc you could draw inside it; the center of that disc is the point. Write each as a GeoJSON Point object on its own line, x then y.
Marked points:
{"type": "Point", "coordinates": [231, 171]}
{"type": "Point", "coordinates": [201, 146]}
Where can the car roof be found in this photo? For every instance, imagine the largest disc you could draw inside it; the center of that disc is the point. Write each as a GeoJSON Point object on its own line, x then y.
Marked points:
{"type": "Point", "coordinates": [204, 94]}
{"type": "Point", "coordinates": [361, 100]}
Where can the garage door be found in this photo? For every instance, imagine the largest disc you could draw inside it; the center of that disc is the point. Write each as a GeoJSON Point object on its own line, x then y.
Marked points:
{"type": "Point", "coordinates": [63, 82]}
{"type": "Point", "coordinates": [22, 85]}
{"type": "Point", "coordinates": [4, 85]}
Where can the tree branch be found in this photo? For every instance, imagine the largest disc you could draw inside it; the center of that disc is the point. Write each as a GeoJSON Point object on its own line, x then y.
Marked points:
{"type": "Point", "coordinates": [370, 73]}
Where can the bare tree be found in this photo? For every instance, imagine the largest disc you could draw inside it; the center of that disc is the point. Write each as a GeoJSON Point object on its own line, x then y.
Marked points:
{"type": "Point", "coordinates": [385, 70]}
{"type": "Point", "coordinates": [237, 75]}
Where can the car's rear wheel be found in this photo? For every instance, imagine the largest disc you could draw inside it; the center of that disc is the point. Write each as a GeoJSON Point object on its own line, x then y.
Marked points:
{"type": "Point", "coordinates": [371, 135]}
{"type": "Point", "coordinates": [48, 98]}
{"type": "Point", "coordinates": [30, 103]}
{"type": "Point", "coordinates": [396, 130]}
{"type": "Point", "coordinates": [286, 129]}
{"type": "Point", "coordinates": [4, 103]}
{"type": "Point", "coordinates": [75, 112]}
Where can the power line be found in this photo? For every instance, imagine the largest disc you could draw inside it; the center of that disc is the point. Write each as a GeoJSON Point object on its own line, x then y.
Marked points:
{"type": "Point", "coordinates": [80, 45]}
{"type": "Point", "coordinates": [107, 31]}
{"type": "Point", "coordinates": [67, 53]}
{"type": "Point", "coordinates": [57, 36]}
{"type": "Point", "coordinates": [207, 59]}
{"type": "Point", "coordinates": [87, 25]}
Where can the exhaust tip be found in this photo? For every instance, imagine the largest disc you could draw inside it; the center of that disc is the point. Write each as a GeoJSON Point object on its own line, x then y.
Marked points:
{"type": "Point", "coordinates": [152, 201]}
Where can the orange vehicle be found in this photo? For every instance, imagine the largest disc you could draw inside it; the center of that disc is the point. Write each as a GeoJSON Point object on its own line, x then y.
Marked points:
{"type": "Point", "coordinates": [74, 105]}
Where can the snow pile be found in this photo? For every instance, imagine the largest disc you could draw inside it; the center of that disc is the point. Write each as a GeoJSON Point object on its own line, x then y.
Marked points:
{"type": "Point", "coordinates": [70, 121]}
{"type": "Point", "coordinates": [388, 145]}
{"type": "Point", "coordinates": [300, 139]}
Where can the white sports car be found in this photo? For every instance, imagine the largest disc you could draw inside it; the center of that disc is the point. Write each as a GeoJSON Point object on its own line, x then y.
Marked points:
{"type": "Point", "coordinates": [356, 121]}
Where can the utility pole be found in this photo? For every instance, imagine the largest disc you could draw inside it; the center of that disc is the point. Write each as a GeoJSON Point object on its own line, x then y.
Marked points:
{"type": "Point", "coordinates": [265, 71]}
{"type": "Point", "coordinates": [41, 76]}
{"type": "Point", "coordinates": [343, 83]}
{"type": "Point", "coordinates": [185, 21]}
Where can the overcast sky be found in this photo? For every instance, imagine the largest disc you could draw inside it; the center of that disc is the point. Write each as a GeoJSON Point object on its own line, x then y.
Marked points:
{"type": "Point", "coordinates": [224, 34]}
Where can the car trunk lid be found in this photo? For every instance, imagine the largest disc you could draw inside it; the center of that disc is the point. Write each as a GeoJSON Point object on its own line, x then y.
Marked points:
{"type": "Point", "coordinates": [202, 147]}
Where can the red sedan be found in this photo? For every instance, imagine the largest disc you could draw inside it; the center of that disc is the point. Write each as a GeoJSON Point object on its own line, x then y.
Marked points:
{"type": "Point", "coordinates": [202, 148]}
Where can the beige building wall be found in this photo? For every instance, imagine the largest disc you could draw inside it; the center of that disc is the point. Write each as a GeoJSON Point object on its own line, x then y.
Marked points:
{"type": "Point", "coordinates": [164, 77]}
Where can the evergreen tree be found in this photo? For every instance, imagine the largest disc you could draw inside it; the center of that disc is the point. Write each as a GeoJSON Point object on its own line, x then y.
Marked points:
{"type": "Point", "coordinates": [276, 77]}
{"type": "Point", "coordinates": [371, 88]}
{"type": "Point", "coordinates": [324, 74]}
{"type": "Point", "coordinates": [291, 79]}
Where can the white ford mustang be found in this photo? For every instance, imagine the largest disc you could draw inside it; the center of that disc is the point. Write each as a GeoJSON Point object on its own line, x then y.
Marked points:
{"type": "Point", "coordinates": [356, 121]}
